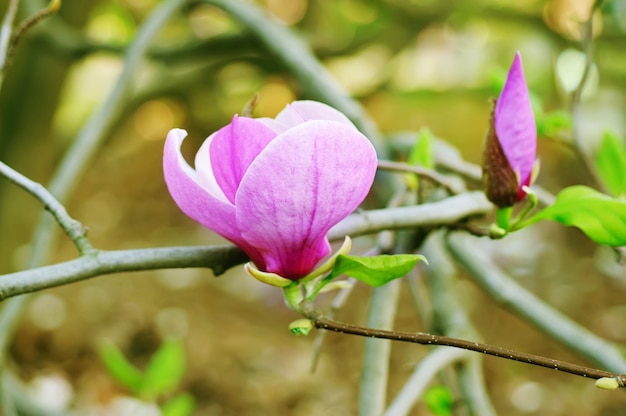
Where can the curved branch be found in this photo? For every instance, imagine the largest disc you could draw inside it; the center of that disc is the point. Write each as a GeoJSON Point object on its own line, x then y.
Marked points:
{"type": "Point", "coordinates": [72, 227]}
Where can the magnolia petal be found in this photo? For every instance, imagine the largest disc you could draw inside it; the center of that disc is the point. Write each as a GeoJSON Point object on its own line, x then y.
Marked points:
{"type": "Point", "coordinates": [276, 126]}
{"type": "Point", "coordinates": [233, 148]}
{"type": "Point", "coordinates": [304, 182]}
{"type": "Point", "coordinates": [515, 122]}
{"type": "Point", "coordinates": [204, 171]}
{"type": "Point", "coordinates": [195, 200]}
{"type": "Point", "coordinates": [300, 111]}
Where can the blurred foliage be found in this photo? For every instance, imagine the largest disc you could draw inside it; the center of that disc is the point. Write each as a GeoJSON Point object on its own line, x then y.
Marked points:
{"type": "Point", "coordinates": [414, 64]}
{"type": "Point", "coordinates": [162, 376]}
{"type": "Point", "coordinates": [440, 400]}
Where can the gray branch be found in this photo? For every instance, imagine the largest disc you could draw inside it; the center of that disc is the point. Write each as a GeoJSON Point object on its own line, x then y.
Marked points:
{"type": "Point", "coordinates": [445, 212]}
{"type": "Point", "coordinates": [221, 258]}
{"type": "Point", "coordinates": [72, 227]}
{"type": "Point", "coordinates": [218, 258]}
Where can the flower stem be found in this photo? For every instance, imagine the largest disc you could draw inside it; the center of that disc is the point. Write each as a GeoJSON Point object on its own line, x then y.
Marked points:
{"type": "Point", "coordinates": [504, 218]}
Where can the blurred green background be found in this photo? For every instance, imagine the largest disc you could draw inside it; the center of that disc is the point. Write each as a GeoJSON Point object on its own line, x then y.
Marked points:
{"type": "Point", "coordinates": [412, 64]}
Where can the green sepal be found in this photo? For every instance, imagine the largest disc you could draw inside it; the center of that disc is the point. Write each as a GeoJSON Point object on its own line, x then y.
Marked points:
{"type": "Point", "coordinates": [504, 218]}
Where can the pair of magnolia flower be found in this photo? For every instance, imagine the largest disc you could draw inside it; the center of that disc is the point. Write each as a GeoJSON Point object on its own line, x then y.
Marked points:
{"type": "Point", "coordinates": [275, 187]}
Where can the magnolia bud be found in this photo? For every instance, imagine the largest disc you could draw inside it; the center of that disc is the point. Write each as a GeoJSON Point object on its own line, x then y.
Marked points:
{"type": "Point", "coordinates": [500, 183]}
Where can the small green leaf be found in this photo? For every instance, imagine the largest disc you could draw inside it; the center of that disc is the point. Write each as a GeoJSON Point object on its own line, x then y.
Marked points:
{"type": "Point", "coordinates": [165, 370]}
{"type": "Point", "coordinates": [554, 125]}
{"type": "Point", "coordinates": [120, 369]}
{"type": "Point", "coordinates": [301, 327]}
{"type": "Point", "coordinates": [439, 400]}
{"type": "Point", "coordinates": [181, 405]}
{"type": "Point", "coordinates": [611, 163]}
{"type": "Point", "coordinates": [599, 216]}
{"type": "Point", "coordinates": [422, 152]}
{"type": "Point", "coordinates": [377, 270]}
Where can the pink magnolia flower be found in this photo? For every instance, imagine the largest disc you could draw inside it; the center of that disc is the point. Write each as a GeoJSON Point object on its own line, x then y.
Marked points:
{"type": "Point", "coordinates": [509, 155]}
{"type": "Point", "coordinates": [274, 187]}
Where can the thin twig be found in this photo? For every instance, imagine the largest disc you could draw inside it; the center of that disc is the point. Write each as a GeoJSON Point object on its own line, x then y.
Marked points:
{"type": "Point", "coordinates": [5, 34]}
{"type": "Point", "coordinates": [52, 8]}
{"type": "Point", "coordinates": [430, 339]}
{"type": "Point", "coordinates": [512, 296]}
{"type": "Point", "coordinates": [338, 302]}
{"type": "Point", "coordinates": [432, 175]}
{"type": "Point", "coordinates": [72, 227]}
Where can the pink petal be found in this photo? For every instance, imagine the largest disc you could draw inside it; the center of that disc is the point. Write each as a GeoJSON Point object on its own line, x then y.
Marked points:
{"type": "Point", "coordinates": [304, 182]}
{"type": "Point", "coordinates": [198, 202]}
{"type": "Point", "coordinates": [515, 122]}
{"type": "Point", "coordinates": [300, 111]}
{"type": "Point", "coordinates": [233, 148]}
{"type": "Point", "coordinates": [204, 170]}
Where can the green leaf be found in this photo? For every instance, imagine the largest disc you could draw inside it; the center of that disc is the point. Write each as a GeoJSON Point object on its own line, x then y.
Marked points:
{"type": "Point", "coordinates": [181, 405]}
{"type": "Point", "coordinates": [422, 152]}
{"type": "Point", "coordinates": [439, 400]}
{"type": "Point", "coordinates": [120, 369]}
{"type": "Point", "coordinates": [377, 270]}
{"type": "Point", "coordinates": [611, 163]}
{"type": "Point", "coordinates": [165, 370]}
{"type": "Point", "coordinates": [554, 125]}
{"type": "Point", "coordinates": [599, 216]}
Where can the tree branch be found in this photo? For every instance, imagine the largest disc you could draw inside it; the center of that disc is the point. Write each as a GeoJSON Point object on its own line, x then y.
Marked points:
{"type": "Point", "coordinates": [308, 310]}
{"type": "Point", "coordinates": [97, 263]}
{"type": "Point", "coordinates": [445, 212]}
{"type": "Point", "coordinates": [430, 174]}
{"type": "Point", "coordinates": [72, 228]}
{"type": "Point", "coordinates": [220, 258]}
{"type": "Point", "coordinates": [522, 303]}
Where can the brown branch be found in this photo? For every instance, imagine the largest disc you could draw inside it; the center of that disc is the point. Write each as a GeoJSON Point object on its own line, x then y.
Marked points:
{"type": "Point", "coordinates": [430, 339]}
